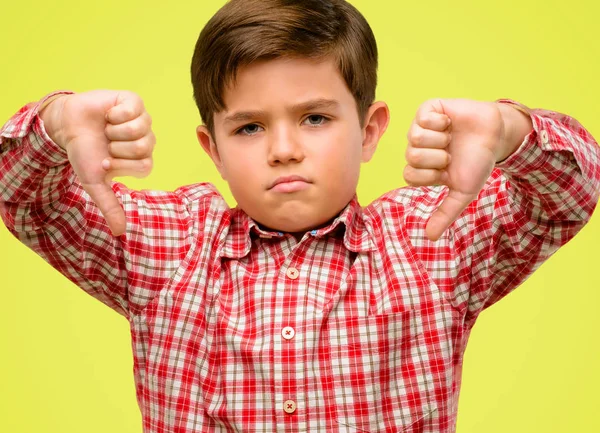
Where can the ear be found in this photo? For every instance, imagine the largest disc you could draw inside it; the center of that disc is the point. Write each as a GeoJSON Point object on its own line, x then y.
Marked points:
{"type": "Point", "coordinates": [210, 147]}
{"type": "Point", "coordinates": [376, 122]}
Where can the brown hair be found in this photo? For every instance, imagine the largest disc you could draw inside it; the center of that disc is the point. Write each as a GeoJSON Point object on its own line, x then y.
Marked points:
{"type": "Point", "coordinates": [245, 31]}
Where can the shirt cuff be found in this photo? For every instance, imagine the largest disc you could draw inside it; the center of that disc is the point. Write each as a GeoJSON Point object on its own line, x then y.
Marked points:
{"type": "Point", "coordinates": [27, 120]}
{"type": "Point", "coordinates": [530, 154]}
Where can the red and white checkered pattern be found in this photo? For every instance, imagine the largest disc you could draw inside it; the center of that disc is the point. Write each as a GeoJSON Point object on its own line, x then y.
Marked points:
{"type": "Point", "coordinates": [380, 316]}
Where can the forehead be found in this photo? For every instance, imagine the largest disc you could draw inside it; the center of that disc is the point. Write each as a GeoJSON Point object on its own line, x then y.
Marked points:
{"type": "Point", "coordinates": [286, 84]}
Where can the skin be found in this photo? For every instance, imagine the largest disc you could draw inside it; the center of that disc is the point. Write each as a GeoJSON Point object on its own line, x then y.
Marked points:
{"type": "Point", "coordinates": [325, 144]}
{"type": "Point", "coordinates": [451, 142]}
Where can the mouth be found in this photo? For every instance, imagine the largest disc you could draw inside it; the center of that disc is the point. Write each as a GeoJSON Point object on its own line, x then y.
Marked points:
{"type": "Point", "coordinates": [296, 185]}
{"type": "Point", "coordinates": [289, 184]}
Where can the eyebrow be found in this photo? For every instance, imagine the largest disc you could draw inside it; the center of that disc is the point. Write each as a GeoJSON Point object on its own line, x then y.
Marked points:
{"type": "Point", "coordinates": [313, 104]}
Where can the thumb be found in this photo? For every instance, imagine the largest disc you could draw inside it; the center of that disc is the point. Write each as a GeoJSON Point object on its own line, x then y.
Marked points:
{"type": "Point", "coordinates": [106, 200]}
{"type": "Point", "coordinates": [450, 209]}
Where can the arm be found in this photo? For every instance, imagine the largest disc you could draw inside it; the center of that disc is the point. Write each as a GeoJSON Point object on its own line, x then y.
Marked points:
{"type": "Point", "coordinates": [44, 206]}
{"type": "Point", "coordinates": [533, 202]}
{"type": "Point", "coordinates": [538, 198]}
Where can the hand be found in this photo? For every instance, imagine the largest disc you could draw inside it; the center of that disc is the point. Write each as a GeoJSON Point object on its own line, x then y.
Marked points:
{"type": "Point", "coordinates": [106, 134]}
{"type": "Point", "coordinates": [453, 142]}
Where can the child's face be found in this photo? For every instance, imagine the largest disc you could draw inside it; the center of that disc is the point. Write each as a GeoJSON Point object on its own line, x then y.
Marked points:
{"type": "Point", "coordinates": [279, 137]}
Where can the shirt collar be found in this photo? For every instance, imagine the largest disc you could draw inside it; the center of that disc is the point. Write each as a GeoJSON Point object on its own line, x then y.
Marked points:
{"type": "Point", "coordinates": [350, 221]}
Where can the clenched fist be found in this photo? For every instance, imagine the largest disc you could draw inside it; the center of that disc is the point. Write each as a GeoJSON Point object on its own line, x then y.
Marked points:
{"type": "Point", "coordinates": [106, 133]}
{"type": "Point", "coordinates": [455, 142]}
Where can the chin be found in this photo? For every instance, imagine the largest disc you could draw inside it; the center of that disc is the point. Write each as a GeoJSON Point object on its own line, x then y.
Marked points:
{"type": "Point", "coordinates": [291, 228]}
{"type": "Point", "coordinates": [303, 227]}
{"type": "Point", "coordinates": [296, 225]}
{"type": "Point", "coordinates": [296, 219]}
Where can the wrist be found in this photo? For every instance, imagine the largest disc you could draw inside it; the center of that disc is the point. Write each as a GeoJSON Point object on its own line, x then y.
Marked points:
{"type": "Point", "coordinates": [517, 125]}
{"type": "Point", "coordinates": [50, 113]}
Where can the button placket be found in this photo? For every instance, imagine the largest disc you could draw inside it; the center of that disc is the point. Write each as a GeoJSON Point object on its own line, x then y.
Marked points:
{"type": "Point", "coordinates": [286, 371]}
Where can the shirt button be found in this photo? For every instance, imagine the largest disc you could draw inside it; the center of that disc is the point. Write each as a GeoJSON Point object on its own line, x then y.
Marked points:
{"type": "Point", "coordinates": [544, 135]}
{"type": "Point", "coordinates": [288, 332]}
{"type": "Point", "coordinates": [289, 406]}
{"type": "Point", "coordinates": [292, 273]}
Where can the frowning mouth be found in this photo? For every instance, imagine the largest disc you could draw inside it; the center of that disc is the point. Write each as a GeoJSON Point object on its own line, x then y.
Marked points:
{"type": "Point", "coordinates": [287, 179]}
{"type": "Point", "coordinates": [289, 184]}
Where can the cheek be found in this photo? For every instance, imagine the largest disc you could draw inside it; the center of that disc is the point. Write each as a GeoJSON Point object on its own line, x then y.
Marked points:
{"type": "Point", "coordinates": [238, 164]}
{"type": "Point", "coordinates": [343, 148]}
{"type": "Point", "coordinates": [339, 158]}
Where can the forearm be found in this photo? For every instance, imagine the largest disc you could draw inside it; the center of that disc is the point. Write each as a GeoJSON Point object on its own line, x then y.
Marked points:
{"type": "Point", "coordinates": [554, 167]}
{"type": "Point", "coordinates": [517, 125]}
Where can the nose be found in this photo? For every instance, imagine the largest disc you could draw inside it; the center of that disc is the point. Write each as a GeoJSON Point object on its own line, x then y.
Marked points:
{"type": "Point", "coordinates": [284, 146]}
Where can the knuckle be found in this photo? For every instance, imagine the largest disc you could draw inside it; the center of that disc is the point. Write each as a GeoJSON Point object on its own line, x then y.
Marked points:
{"type": "Point", "coordinates": [413, 156]}
{"type": "Point", "coordinates": [137, 100]}
{"type": "Point", "coordinates": [417, 138]}
{"type": "Point", "coordinates": [140, 148]}
{"type": "Point", "coordinates": [127, 112]}
{"type": "Point", "coordinates": [134, 129]}
{"type": "Point", "coordinates": [408, 174]}
{"type": "Point", "coordinates": [129, 129]}
{"type": "Point", "coordinates": [152, 143]}
{"type": "Point", "coordinates": [146, 164]}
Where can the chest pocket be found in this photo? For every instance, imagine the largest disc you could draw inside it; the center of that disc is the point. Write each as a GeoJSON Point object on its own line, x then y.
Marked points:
{"type": "Point", "coordinates": [384, 371]}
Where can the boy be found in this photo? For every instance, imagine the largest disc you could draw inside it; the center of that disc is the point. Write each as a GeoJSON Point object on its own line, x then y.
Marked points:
{"type": "Point", "coordinates": [298, 310]}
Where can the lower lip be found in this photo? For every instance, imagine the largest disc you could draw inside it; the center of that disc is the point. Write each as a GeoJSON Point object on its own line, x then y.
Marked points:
{"type": "Point", "coordinates": [297, 185]}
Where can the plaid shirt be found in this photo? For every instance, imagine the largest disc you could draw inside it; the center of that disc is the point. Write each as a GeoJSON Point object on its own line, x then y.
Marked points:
{"type": "Point", "coordinates": [359, 326]}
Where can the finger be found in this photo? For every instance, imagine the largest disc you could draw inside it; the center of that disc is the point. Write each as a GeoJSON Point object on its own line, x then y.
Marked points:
{"type": "Point", "coordinates": [131, 130]}
{"type": "Point", "coordinates": [428, 110]}
{"type": "Point", "coordinates": [128, 106]}
{"type": "Point", "coordinates": [421, 137]}
{"type": "Point", "coordinates": [450, 209]}
{"type": "Point", "coordinates": [108, 204]}
{"type": "Point", "coordinates": [434, 121]}
{"type": "Point", "coordinates": [424, 177]}
{"type": "Point", "coordinates": [427, 158]}
{"type": "Point", "coordinates": [138, 149]}
{"type": "Point", "coordinates": [127, 167]}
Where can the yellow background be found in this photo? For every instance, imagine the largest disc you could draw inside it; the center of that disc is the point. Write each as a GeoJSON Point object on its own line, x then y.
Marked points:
{"type": "Point", "coordinates": [532, 362]}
